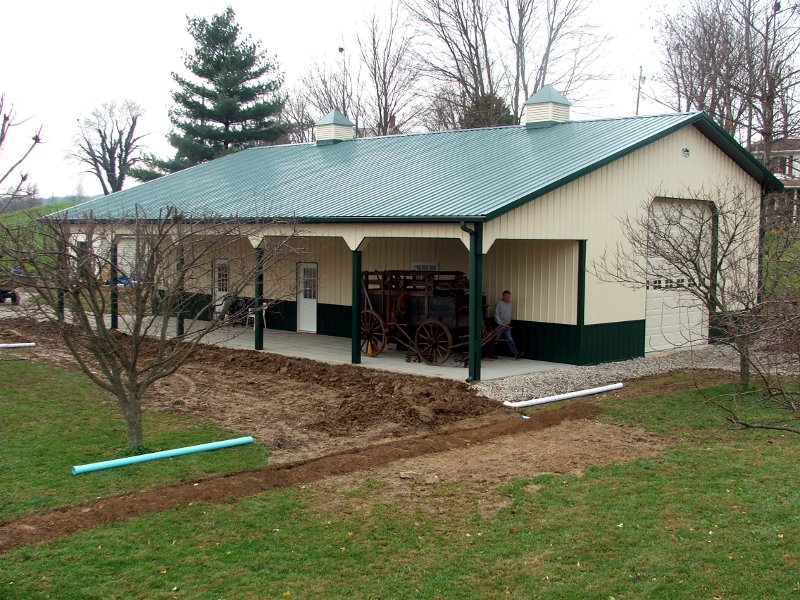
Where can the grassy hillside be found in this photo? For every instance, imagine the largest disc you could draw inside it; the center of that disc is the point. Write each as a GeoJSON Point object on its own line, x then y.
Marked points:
{"type": "Point", "coordinates": [20, 216]}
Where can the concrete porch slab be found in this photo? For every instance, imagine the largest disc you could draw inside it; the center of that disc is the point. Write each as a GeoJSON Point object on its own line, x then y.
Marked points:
{"type": "Point", "coordinates": [336, 350]}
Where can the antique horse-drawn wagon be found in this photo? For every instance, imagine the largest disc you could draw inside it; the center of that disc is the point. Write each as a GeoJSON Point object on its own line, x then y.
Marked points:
{"type": "Point", "coordinates": [425, 313]}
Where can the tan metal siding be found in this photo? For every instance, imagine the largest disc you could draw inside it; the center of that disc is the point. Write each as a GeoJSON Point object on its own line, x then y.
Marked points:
{"type": "Point", "coordinates": [401, 253]}
{"type": "Point", "coordinates": [541, 275]}
{"type": "Point", "coordinates": [333, 268]}
{"type": "Point", "coordinates": [589, 208]}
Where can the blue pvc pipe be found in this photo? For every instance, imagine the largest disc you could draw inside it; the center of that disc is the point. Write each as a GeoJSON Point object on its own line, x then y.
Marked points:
{"type": "Point", "coordinates": [132, 460]}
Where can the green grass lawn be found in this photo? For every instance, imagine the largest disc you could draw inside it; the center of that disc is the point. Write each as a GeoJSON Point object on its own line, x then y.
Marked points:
{"type": "Point", "coordinates": [717, 516]}
{"type": "Point", "coordinates": [52, 418]}
{"type": "Point", "coordinates": [17, 217]}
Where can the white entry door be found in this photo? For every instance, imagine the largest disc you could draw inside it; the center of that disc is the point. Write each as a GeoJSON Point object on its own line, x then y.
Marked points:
{"type": "Point", "coordinates": [221, 282]}
{"type": "Point", "coordinates": [307, 297]}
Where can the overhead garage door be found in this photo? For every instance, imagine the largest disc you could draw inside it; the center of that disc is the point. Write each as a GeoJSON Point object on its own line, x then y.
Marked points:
{"type": "Point", "coordinates": [674, 318]}
{"type": "Point", "coordinates": [680, 232]}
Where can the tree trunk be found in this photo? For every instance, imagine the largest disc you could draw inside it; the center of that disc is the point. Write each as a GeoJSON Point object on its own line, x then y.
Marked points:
{"type": "Point", "coordinates": [744, 367]}
{"type": "Point", "coordinates": [133, 421]}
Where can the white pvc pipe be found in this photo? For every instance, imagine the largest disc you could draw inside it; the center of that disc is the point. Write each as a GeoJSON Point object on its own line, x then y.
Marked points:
{"type": "Point", "coordinates": [567, 396]}
{"type": "Point", "coordinates": [23, 345]}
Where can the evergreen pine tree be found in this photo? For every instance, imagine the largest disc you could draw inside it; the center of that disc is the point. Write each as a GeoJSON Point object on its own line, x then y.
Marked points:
{"type": "Point", "coordinates": [231, 100]}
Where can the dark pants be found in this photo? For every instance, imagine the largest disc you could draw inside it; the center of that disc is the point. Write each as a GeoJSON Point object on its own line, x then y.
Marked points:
{"type": "Point", "coordinates": [504, 334]}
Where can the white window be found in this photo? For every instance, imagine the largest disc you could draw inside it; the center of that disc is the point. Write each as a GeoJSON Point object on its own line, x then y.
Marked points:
{"type": "Point", "coordinates": [424, 266]}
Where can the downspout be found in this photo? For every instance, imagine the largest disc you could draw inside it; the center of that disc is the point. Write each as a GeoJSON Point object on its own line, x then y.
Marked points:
{"type": "Point", "coordinates": [475, 297]}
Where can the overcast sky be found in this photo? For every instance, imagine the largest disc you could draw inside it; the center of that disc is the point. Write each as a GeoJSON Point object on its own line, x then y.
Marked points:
{"type": "Point", "coordinates": [62, 59]}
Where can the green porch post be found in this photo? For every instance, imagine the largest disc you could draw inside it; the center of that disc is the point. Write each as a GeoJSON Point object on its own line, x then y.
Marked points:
{"type": "Point", "coordinates": [355, 311]}
{"type": "Point", "coordinates": [179, 322]}
{"type": "Point", "coordinates": [113, 296]}
{"type": "Point", "coordinates": [475, 300]}
{"type": "Point", "coordinates": [259, 314]}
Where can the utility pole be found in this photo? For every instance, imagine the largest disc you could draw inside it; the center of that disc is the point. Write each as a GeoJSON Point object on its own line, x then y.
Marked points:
{"type": "Point", "coordinates": [639, 89]}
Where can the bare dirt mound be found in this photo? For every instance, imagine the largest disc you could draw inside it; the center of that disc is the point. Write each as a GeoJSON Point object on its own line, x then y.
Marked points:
{"type": "Point", "coordinates": [331, 421]}
{"type": "Point", "coordinates": [299, 407]}
{"type": "Point", "coordinates": [60, 522]}
{"type": "Point", "coordinates": [567, 447]}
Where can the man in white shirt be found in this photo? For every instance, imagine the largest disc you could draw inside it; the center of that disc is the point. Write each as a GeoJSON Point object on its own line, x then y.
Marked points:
{"type": "Point", "coordinates": [502, 317]}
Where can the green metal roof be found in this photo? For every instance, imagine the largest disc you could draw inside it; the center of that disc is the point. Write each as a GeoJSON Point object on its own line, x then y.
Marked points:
{"type": "Point", "coordinates": [335, 118]}
{"type": "Point", "coordinates": [472, 174]}
{"type": "Point", "coordinates": [547, 93]}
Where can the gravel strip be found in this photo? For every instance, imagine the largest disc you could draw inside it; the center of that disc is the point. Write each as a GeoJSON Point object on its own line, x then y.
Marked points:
{"type": "Point", "coordinates": [572, 378]}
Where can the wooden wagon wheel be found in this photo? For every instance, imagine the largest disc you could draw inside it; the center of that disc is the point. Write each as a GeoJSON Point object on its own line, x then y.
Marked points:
{"type": "Point", "coordinates": [434, 342]}
{"type": "Point", "coordinates": [373, 333]}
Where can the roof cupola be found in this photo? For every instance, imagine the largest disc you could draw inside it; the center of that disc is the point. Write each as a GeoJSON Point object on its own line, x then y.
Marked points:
{"type": "Point", "coordinates": [333, 128]}
{"type": "Point", "coordinates": [545, 108]}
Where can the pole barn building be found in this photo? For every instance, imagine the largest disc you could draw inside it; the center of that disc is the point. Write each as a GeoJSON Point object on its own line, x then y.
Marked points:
{"type": "Point", "coordinates": [526, 208]}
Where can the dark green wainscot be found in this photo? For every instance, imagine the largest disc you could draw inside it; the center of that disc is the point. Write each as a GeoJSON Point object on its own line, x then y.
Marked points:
{"type": "Point", "coordinates": [281, 314]}
{"type": "Point", "coordinates": [580, 344]}
{"type": "Point", "coordinates": [191, 305]}
{"type": "Point", "coordinates": [333, 319]}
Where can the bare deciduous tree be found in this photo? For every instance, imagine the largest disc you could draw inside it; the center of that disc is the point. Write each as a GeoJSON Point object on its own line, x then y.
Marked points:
{"type": "Point", "coordinates": [298, 118]}
{"type": "Point", "coordinates": [392, 73]}
{"type": "Point", "coordinates": [444, 110]}
{"type": "Point", "coordinates": [108, 143]}
{"type": "Point", "coordinates": [170, 261]}
{"type": "Point", "coordinates": [771, 48]}
{"type": "Point", "coordinates": [458, 53]}
{"type": "Point", "coordinates": [737, 61]}
{"type": "Point", "coordinates": [703, 63]}
{"type": "Point", "coordinates": [14, 184]}
{"type": "Point", "coordinates": [551, 43]}
{"type": "Point", "coordinates": [707, 248]}
{"type": "Point", "coordinates": [336, 86]}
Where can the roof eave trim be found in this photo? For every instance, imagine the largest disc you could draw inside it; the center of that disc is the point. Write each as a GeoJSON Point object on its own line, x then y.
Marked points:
{"type": "Point", "coordinates": [455, 219]}
{"type": "Point", "coordinates": [739, 154]}
{"type": "Point", "coordinates": [768, 181]}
